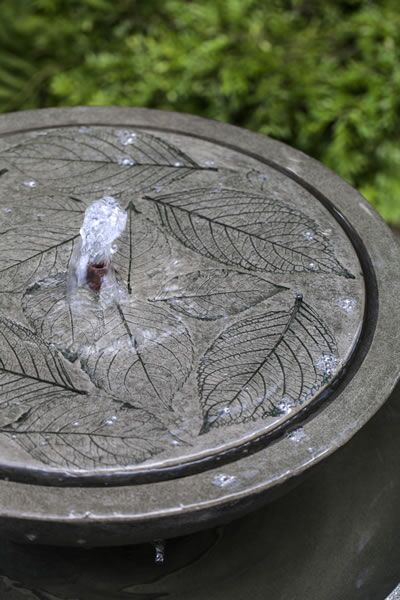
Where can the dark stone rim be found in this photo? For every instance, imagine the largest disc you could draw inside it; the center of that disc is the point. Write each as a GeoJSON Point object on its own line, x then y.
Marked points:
{"type": "Point", "coordinates": [113, 478]}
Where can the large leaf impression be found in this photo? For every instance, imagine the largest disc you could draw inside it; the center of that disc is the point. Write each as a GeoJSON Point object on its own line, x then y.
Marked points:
{"type": "Point", "coordinates": [248, 230]}
{"type": "Point", "coordinates": [99, 159]}
{"type": "Point", "coordinates": [265, 365]}
{"type": "Point", "coordinates": [41, 409]}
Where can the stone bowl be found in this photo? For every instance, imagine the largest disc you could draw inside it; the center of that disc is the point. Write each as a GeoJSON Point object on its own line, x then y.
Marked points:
{"type": "Point", "coordinates": [258, 333]}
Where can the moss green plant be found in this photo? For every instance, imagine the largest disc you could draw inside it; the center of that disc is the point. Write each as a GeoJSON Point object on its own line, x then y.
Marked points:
{"type": "Point", "coordinates": [321, 75]}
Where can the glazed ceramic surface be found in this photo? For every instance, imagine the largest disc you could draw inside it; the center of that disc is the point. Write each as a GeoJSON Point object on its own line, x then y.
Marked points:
{"type": "Point", "coordinates": [254, 338]}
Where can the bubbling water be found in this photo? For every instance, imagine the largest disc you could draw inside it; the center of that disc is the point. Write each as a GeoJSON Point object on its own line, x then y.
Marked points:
{"type": "Point", "coordinates": [103, 223]}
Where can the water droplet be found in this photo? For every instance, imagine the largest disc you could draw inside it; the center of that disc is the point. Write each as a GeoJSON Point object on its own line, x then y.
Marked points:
{"type": "Point", "coordinates": [76, 424]}
{"type": "Point", "coordinates": [84, 129]}
{"type": "Point", "coordinates": [347, 304]}
{"type": "Point", "coordinates": [209, 163]}
{"type": "Point", "coordinates": [327, 363]}
{"type": "Point", "coordinates": [312, 266]}
{"type": "Point", "coordinates": [286, 404]}
{"type": "Point", "coordinates": [126, 161]}
{"type": "Point", "coordinates": [297, 435]}
{"type": "Point", "coordinates": [31, 537]}
{"type": "Point", "coordinates": [178, 163]}
{"type": "Point", "coordinates": [309, 234]}
{"type": "Point", "coordinates": [326, 232]}
{"type": "Point", "coordinates": [222, 480]}
{"type": "Point", "coordinates": [126, 137]}
{"type": "Point", "coordinates": [7, 210]}
{"type": "Point", "coordinates": [159, 547]}
{"type": "Point", "coordinates": [109, 421]}
{"type": "Point", "coordinates": [263, 178]}
{"type": "Point", "coordinates": [157, 189]}
{"type": "Point", "coordinates": [30, 183]}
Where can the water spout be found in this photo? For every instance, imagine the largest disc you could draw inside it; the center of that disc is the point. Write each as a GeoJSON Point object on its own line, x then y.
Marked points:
{"type": "Point", "coordinates": [103, 223]}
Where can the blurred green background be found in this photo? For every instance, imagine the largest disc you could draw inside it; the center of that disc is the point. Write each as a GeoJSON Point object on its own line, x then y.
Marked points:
{"type": "Point", "coordinates": [321, 75]}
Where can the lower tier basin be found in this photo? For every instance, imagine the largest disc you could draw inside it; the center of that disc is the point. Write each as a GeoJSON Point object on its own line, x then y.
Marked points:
{"type": "Point", "coordinates": [335, 536]}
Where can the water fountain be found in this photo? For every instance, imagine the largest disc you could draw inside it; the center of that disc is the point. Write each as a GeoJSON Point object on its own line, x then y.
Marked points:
{"type": "Point", "coordinates": [104, 221]}
{"type": "Point", "coordinates": [192, 316]}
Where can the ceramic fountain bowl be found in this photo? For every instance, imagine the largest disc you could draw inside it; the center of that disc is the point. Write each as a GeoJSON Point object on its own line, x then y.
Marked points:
{"type": "Point", "coordinates": [256, 335]}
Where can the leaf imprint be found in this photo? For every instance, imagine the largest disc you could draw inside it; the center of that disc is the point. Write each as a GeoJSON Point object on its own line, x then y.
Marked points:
{"type": "Point", "coordinates": [216, 293]}
{"type": "Point", "coordinates": [261, 365]}
{"type": "Point", "coordinates": [68, 161]}
{"type": "Point", "coordinates": [248, 230]}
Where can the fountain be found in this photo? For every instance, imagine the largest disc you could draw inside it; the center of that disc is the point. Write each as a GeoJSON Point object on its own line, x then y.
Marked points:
{"type": "Point", "coordinates": [104, 221]}
{"type": "Point", "coordinates": [192, 316]}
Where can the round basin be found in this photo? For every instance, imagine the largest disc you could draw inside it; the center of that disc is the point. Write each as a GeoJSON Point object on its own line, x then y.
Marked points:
{"type": "Point", "coordinates": [256, 335]}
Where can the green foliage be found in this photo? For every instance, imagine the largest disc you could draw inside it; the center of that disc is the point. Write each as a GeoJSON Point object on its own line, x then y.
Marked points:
{"type": "Point", "coordinates": [321, 75]}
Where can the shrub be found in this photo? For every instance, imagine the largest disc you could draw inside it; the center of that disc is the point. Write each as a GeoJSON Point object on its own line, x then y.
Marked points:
{"type": "Point", "coordinates": [323, 76]}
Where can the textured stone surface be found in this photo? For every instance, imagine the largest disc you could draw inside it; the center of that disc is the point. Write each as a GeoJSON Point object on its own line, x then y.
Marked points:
{"type": "Point", "coordinates": [249, 345]}
{"type": "Point", "coordinates": [244, 300]}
